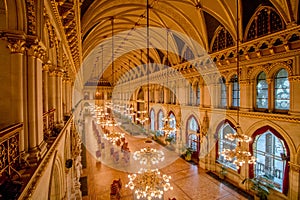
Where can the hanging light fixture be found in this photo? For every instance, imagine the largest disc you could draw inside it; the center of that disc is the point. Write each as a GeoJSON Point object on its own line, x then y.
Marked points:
{"type": "Point", "coordinates": [142, 113]}
{"type": "Point", "coordinates": [240, 155]}
{"type": "Point", "coordinates": [167, 121]}
{"type": "Point", "coordinates": [149, 183]}
{"type": "Point", "coordinates": [129, 107]}
{"type": "Point", "coordinates": [148, 156]}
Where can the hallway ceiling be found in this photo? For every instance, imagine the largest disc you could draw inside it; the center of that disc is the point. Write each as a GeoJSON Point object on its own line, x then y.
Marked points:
{"type": "Point", "coordinates": [196, 19]}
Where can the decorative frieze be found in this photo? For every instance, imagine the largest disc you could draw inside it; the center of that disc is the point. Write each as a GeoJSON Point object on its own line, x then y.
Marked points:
{"type": "Point", "coordinates": [294, 78]}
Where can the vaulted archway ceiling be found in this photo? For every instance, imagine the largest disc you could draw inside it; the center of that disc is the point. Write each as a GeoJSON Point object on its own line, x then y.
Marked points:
{"type": "Point", "coordinates": [196, 19]}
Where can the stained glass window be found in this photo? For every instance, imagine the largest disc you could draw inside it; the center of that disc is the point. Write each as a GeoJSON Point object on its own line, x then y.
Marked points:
{"type": "Point", "coordinates": [282, 90]}
{"type": "Point", "coordinates": [261, 91]}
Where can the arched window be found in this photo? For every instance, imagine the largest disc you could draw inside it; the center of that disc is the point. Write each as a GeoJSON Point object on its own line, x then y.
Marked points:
{"type": "Point", "coordinates": [270, 154]}
{"type": "Point", "coordinates": [282, 90]}
{"type": "Point", "coordinates": [192, 133]}
{"type": "Point", "coordinates": [224, 143]}
{"type": "Point", "coordinates": [235, 91]}
{"type": "Point", "coordinates": [173, 125]}
{"type": "Point", "coordinates": [261, 91]}
{"type": "Point", "coordinates": [223, 99]}
{"type": "Point", "coordinates": [152, 120]}
{"type": "Point", "coordinates": [198, 95]}
{"type": "Point", "coordinates": [160, 120]}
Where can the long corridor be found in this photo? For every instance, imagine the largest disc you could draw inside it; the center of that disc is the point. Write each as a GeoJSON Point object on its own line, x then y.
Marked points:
{"type": "Point", "coordinates": [189, 181]}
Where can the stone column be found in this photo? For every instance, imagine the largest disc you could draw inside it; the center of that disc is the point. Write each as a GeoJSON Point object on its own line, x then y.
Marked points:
{"type": "Point", "coordinates": [64, 90]}
{"type": "Point", "coordinates": [17, 48]}
{"type": "Point", "coordinates": [271, 105]}
{"type": "Point", "coordinates": [294, 180]}
{"type": "Point", "coordinates": [45, 95]}
{"type": "Point", "coordinates": [294, 95]}
{"type": "Point", "coordinates": [52, 92]}
{"type": "Point", "coordinates": [37, 146]}
{"type": "Point", "coordinates": [229, 95]}
{"type": "Point", "coordinates": [68, 96]}
{"type": "Point", "coordinates": [59, 110]}
{"type": "Point", "coordinates": [245, 96]}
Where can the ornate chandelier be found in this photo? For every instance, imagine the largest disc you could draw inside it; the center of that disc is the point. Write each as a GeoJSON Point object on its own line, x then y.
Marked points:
{"type": "Point", "coordinates": [143, 116]}
{"type": "Point", "coordinates": [167, 128]}
{"type": "Point", "coordinates": [114, 136]}
{"type": "Point", "coordinates": [148, 156]}
{"type": "Point", "coordinates": [149, 183]}
{"type": "Point", "coordinates": [239, 155]}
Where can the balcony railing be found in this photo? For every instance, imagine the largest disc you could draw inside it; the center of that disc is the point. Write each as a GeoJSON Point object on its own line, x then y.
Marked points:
{"type": "Point", "coordinates": [48, 123]}
{"type": "Point", "coordinates": [10, 161]}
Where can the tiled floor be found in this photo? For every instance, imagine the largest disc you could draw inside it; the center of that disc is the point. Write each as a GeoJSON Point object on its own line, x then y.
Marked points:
{"type": "Point", "coordinates": [189, 181]}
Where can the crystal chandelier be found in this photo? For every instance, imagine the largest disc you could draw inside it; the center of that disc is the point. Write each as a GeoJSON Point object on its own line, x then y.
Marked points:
{"type": "Point", "coordinates": [143, 116]}
{"type": "Point", "coordinates": [167, 128]}
{"type": "Point", "coordinates": [114, 136]}
{"type": "Point", "coordinates": [239, 155]}
{"type": "Point", "coordinates": [148, 156]}
{"type": "Point", "coordinates": [149, 183]}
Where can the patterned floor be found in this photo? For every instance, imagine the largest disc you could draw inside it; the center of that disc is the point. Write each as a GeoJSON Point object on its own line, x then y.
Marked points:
{"type": "Point", "coordinates": [189, 181]}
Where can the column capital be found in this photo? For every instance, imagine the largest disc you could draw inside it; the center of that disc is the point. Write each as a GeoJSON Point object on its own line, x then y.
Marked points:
{"type": "Point", "coordinates": [33, 50]}
{"type": "Point", "coordinates": [46, 66]}
{"type": "Point", "coordinates": [269, 81]}
{"type": "Point", "coordinates": [16, 45]}
{"type": "Point", "coordinates": [294, 167]}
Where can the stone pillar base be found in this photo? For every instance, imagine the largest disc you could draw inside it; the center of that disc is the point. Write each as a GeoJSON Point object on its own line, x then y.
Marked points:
{"type": "Point", "coordinates": [37, 153]}
{"type": "Point", "coordinates": [34, 156]}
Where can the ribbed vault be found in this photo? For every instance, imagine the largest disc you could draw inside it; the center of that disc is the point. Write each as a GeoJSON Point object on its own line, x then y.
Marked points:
{"type": "Point", "coordinates": [186, 17]}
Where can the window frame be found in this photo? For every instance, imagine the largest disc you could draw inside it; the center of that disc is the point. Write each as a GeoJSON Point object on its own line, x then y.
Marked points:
{"type": "Point", "coordinates": [235, 80]}
{"type": "Point", "coordinates": [277, 110]}
{"type": "Point", "coordinates": [256, 91]}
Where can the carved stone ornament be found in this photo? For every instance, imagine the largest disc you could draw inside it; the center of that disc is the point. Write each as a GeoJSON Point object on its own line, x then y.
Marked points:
{"type": "Point", "coordinates": [294, 78]}
{"type": "Point", "coordinates": [31, 16]}
{"type": "Point", "coordinates": [16, 46]}
{"type": "Point", "coordinates": [294, 167]}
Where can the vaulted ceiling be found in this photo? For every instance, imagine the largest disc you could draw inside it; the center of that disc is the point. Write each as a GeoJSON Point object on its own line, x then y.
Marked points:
{"type": "Point", "coordinates": [192, 24]}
